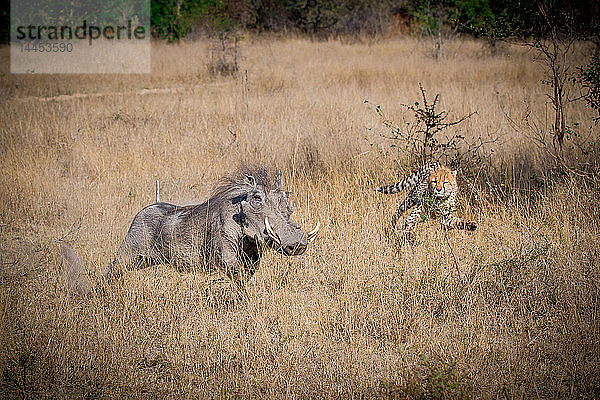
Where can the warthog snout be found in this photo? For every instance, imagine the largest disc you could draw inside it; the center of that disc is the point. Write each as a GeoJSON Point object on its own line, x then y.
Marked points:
{"type": "Point", "coordinates": [291, 241]}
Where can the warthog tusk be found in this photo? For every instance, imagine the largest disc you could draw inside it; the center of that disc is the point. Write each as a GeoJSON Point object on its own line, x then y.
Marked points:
{"type": "Point", "coordinates": [270, 232]}
{"type": "Point", "coordinates": [313, 234]}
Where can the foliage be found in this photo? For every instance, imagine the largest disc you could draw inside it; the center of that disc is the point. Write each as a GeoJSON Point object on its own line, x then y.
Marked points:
{"type": "Point", "coordinates": [432, 18]}
{"type": "Point", "coordinates": [551, 28]}
{"type": "Point", "coordinates": [589, 78]}
{"type": "Point", "coordinates": [318, 17]}
{"type": "Point", "coordinates": [496, 19]}
{"type": "Point", "coordinates": [4, 25]}
{"type": "Point", "coordinates": [489, 19]}
{"type": "Point", "coordinates": [110, 12]}
{"type": "Point", "coordinates": [174, 19]}
{"type": "Point", "coordinates": [522, 20]}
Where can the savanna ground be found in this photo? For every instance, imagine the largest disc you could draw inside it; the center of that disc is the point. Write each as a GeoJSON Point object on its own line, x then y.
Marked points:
{"type": "Point", "coordinates": [510, 310]}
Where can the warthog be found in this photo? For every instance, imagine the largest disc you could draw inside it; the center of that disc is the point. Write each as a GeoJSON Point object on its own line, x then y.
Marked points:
{"type": "Point", "coordinates": [250, 211]}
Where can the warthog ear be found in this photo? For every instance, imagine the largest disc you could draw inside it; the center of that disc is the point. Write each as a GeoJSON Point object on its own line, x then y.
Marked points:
{"type": "Point", "coordinates": [251, 181]}
{"type": "Point", "coordinates": [278, 181]}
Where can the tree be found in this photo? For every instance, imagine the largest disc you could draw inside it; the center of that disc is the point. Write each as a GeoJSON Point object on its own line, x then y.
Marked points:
{"type": "Point", "coordinates": [173, 19]}
{"type": "Point", "coordinates": [551, 28]}
{"type": "Point", "coordinates": [433, 17]}
{"type": "Point", "coordinates": [589, 79]}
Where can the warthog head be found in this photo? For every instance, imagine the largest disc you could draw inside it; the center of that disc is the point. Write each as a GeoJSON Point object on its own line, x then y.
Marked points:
{"type": "Point", "coordinates": [265, 215]}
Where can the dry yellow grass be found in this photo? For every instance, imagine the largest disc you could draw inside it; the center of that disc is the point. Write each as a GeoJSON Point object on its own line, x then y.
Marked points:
{"type": "Point", "coordinates": [511, 310]}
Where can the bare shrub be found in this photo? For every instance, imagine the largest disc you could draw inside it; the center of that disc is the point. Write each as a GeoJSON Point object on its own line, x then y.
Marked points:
{"type": "Point", "coordinates": [423, 139]}
{"type": "Point", "coordinates": [224, 54]}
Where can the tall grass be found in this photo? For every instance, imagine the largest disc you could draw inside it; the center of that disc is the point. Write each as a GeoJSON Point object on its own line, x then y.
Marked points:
{"type": "Point", "coordinates": [511, 310]}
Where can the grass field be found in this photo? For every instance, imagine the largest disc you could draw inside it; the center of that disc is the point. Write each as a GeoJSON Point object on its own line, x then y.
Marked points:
{"type": "Point", "coordinates": [511, 310]}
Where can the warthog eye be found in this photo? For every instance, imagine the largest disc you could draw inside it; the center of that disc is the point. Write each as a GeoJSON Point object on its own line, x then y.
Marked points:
{"type": "Point", "coordinates": [257, 200]}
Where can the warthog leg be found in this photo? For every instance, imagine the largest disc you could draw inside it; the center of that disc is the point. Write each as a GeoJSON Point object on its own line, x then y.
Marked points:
{"type": "Point", "coordinates": [127, 259]}
{"type": "Point", "coordinates": [139, 248]}
{"type": "Point", "coordinates": [240, 260]}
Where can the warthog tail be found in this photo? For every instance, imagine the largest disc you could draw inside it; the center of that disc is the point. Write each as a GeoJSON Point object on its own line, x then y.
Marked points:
{"type": "Point", "coordinates": [73, 273]}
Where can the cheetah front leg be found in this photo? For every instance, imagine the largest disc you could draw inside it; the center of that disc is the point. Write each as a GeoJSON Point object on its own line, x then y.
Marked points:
{"type": "Point", "coordinates": [409, 225]}
{"type": "Point", "coordinates": [453, 222]}
{"type": "Point", "coordinates": [405, 205]}
{"type": "Point", "coordinates": [449, 218]}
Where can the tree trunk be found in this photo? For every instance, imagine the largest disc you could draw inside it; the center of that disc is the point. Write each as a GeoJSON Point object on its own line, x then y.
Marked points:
{"type": "Point", "coordinates": [559, 120]}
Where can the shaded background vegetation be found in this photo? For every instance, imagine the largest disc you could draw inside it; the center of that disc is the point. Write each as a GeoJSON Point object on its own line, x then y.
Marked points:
{"type": "Point", "coordinates": [180, 19]}
{"type": "Point", "coordinates": [173, 19]}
